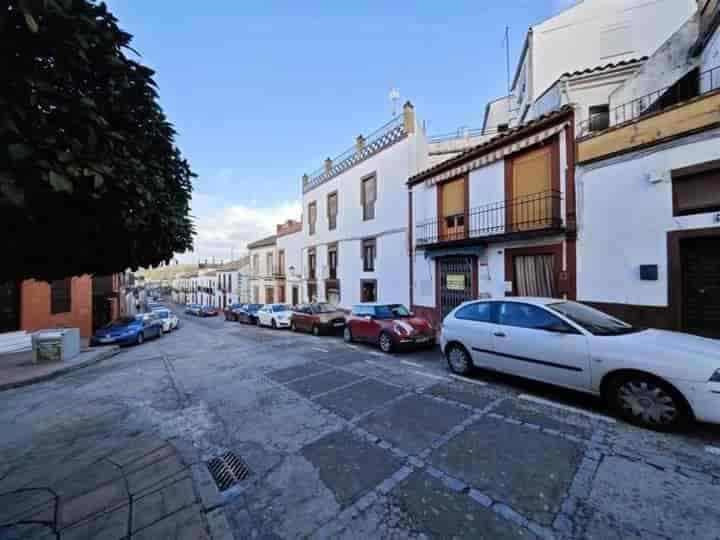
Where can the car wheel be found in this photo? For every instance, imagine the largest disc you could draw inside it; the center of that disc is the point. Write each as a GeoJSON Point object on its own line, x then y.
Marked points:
{"type": "Point", "coordinates": [458, 359]}
{"type": "Point", "coordinates": [139, 339]}
{"type": "Point", "coordinates": [316, 330]}
{"type": "Point", "coordinates": [385, 342]}
{"type": "Point", "coordinates": [272, 324]}
{"type": "Point", "coordinates": [648, 402]}
{"type": "Point", "coordinates": [293, 327]}
{"type": "Point", "coordinates": [347, 335]}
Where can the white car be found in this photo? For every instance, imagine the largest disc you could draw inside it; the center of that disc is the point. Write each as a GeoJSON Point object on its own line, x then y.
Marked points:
{"type": "Point", "coordinates": [652, 378]}
{"type": "Point", "coordinates": [168, 318]}
{"type": "Point", "coordinates": [275, 315]}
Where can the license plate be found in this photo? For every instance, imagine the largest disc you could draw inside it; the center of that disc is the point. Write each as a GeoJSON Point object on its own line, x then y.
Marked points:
{"type": "Point", "coordinates": [339, 324]}
{"type": "Point", "coordinates": [106, 340]}
{"type": "Point", "coordinates": [422, 340]}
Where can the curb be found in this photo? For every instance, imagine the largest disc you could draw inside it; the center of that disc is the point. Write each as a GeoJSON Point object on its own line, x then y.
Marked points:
{"type": "Point", "coordinates": [48, 376]}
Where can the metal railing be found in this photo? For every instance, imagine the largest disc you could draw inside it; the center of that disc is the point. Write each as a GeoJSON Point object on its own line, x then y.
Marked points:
{"type": "Point", "coordinates": [463, 133]}
{"type": "Point", "coordinates": [526, 214]}
{"type": "Point", "coordinates": [690, 86]}
{"type": "Point", "coordinates": [373, 143]}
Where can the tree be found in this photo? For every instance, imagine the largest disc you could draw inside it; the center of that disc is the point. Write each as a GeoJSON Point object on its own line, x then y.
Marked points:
{"type": "Point", "coordinates": [91, 181]}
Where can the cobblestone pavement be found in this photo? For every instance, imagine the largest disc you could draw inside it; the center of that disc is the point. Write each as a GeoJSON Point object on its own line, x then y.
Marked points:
{"type": "Point", "coordinates": [341, 441]}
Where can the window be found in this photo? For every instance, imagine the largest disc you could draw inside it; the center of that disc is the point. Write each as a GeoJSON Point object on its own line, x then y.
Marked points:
{"type": "Point", "coordinates": [453, 209]}
{"type": "Point", "coordinates": [479, 312]}
{"type": "Point", "coordinates": [312, 260]}
{"type": "Point", "coordinates": [368, 290]}
{"type": "Point", "coordinates": [526, 316]}
{"type": "Point", "coordinates": [332, 260]}
{"type": "Point", "coordinates": [269, 262]}
{"type": "Point", "coordinates": [696, 189]}
{"type": "Point", "coordinates": [281, 262]}
{"type": "Point", "coordinates": [599, 117]}
{"type": "Point", "coordinates": [229, 282]}
{"type": "Point", "coordinates": [312, 292]}
{"type": "Point", "coordinates": [332, 209]}
{"type": "Point", "coordinates": [256, 264]}
{"type": "Point", "coordinates": [61, 296]}
{"type": "Point", "coordinates": [368, 255]}
{"type": "Point", "coordinates": [256, 293]}
{"type": "Point", "coordinates": [312, 216]}
{"type": "Point", "coordinates": [368, 196]}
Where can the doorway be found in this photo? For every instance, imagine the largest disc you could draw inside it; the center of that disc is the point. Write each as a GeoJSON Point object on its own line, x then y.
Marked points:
{"type": "Point", "coordinates": [700, 259]}
{"type": "Point", "coordinates": [456, 282]}
{"type": "Point", "coordinates": [295, 295]}
{"type": "Point", "coordinates": [9, 306]}
{"type": "Point", "coordinates": [269, 295]}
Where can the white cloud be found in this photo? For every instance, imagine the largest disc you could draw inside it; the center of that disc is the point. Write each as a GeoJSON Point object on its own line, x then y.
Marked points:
{"type": "Point", "coordinates": [233, 227]}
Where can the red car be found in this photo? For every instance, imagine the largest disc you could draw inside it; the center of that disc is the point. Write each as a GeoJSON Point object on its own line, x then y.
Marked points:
{"type": "Point", "coordinates": [391, 326]}
{"type": "Point", "coordinates": [208, 311]}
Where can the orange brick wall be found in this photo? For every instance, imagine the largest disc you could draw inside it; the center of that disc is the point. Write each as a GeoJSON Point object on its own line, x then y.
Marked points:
{"type": "Point", "coordinates": [35, 306]}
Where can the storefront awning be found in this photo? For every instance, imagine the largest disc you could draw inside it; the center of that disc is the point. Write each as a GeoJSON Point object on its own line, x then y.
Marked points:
{"type": "Point", "coordinates": [446, 252]}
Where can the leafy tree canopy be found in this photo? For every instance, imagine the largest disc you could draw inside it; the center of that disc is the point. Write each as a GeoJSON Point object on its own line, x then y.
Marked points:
{"type": "Point", "coordinates": [90, 178]}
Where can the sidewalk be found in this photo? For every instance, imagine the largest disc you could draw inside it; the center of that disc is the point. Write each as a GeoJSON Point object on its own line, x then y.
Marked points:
{"type": "Point", "coordinates": [18, 369]}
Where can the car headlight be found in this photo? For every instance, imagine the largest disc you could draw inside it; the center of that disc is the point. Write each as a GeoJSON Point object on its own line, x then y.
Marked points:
{"type": "Point", "coordinates": [715, 376]}
{"type": "Point", "coordinates": [400, 330]}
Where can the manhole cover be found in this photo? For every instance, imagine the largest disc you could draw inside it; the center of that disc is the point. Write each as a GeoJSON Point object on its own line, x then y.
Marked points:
{"type": "Point", "coordinates": [227, 470]}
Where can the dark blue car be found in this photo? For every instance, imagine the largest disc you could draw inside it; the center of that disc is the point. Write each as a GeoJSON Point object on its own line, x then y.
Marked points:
{"type": "Point", "coordinates": [128, 330]}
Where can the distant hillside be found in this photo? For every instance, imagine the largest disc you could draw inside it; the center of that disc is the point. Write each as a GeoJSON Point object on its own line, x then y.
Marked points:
{"type": "Point", "coordinates": [166, 272]}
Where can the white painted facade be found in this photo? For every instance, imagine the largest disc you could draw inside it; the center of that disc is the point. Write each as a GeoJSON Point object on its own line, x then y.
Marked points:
{"type": "Point", "coordinates": [630, 198]}
{"type": "Point", "coordinates": [262, 271]}
{"type": "Point", "coordinates": [291, 245]}
{"type": "Point", "coordinates": [392, 165]}
{"type": "Point", "coordinates": [589, 34]}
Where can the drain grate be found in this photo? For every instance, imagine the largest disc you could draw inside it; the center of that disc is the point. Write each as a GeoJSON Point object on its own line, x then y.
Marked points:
{"type": "Point", "coordinates": [227, 470]}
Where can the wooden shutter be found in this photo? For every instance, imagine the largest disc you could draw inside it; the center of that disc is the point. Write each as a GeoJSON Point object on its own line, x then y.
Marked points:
{"type": "Point", "coordinates": [531, 205]}
{"type": "Point", "coordinates": [696, 193]}
{"type": "Point", "coordinates": [453, 209]}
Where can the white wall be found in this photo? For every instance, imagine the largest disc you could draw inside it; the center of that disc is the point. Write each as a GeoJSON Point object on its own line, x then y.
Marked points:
{"type": "Point", "coordinates": [597, 32]}
{"type": "Point", "coordinates": [393, 166]}
{"type": "Point", "coordinates": [292, 245]}
{"type": "Point", "coordinates": [666, 65]}
{"type": "Point", "coordinates": [624, 220]}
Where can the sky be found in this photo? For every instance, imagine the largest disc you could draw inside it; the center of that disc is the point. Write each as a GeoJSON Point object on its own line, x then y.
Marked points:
{"type": "Point", "coordinates": [262, 92]}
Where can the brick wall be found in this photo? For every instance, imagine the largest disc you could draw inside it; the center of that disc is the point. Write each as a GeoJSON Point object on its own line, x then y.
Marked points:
{"type": "Point", "coordinates": [35, 306]}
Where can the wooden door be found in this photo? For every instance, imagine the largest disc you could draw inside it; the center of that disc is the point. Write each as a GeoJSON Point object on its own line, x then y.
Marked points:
{"type": "Point", "coordinates": [269, 295]}
{"type": "Point", "coordinates": [281, 294]}
{"type": "Point", "coordinates": [9, 306]}
{"type": "Point", "coordinates": [453, 210]}
{"type": "Point", "coordinates": [531, 204]}
{"type": "Point", "coordinates": [701, 286]}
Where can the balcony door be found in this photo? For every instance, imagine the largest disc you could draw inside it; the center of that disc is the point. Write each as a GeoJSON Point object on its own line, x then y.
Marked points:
{"type": "Point", "coordinates": [453, 210]}
{"type": "Point", "coordinates": [532, 202]}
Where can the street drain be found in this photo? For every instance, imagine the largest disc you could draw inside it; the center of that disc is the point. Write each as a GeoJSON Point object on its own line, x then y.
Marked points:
{"type": "Point", "coordinates": [227, 470]}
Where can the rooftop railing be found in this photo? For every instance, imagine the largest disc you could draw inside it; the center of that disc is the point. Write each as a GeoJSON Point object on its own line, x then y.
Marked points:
{"type": "Point", "coordinates": [692, 85]}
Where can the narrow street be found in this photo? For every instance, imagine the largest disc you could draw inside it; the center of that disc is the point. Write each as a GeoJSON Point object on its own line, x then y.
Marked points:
{"type": "Point", "coordinates": [341, 441]}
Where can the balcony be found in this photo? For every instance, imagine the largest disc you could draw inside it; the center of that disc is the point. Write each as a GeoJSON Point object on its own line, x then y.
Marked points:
{"type": "Point", "coordinates": [278, 272]}
{"type": "Point", "coordinates": [527, 216]}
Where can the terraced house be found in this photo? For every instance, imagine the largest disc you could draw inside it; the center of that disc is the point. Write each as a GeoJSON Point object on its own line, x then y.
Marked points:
{"type": "Point", "coordinates": [355, 217]}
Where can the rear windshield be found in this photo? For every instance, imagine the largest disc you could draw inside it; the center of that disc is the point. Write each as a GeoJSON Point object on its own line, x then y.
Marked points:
{"type": "Point", "coordinates": [323, 308]}
{"type": "Point", "coordinates": [163, 314]}
{"type": "Point", "coordinates": [122, 321]}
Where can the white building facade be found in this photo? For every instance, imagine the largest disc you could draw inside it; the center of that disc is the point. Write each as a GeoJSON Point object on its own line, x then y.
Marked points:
{"type": "Point", "coordinates": [649, 194]}
{"type": "Point", "coordinates": [264, 273]}
{"type": "Point", "coordinates": [289, 262]}
{"type": "Point", "coordinates": [355, 228]}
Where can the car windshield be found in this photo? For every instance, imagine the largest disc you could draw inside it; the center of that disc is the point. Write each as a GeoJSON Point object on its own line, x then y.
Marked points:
{"type": "Point", "coordinates": [122, 321]}
{"type": "Point", "coordinates": [594, 321]}
{"type": "Point", "coordinates": [392, 311]}
{"type": "Point", "coordinates": [254, 307]}
{"type": "Point", "coordinates": [280, 307]}
{"type": "Point", "coordinates": [163, 314]}
{"type": "Point", "coordinates": [323, 308]}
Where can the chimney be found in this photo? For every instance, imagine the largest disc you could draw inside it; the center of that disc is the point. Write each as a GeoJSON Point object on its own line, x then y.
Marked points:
{"type": "Point", "coordinates": [328, 165]}
{"type": "Point", "coordinates": [409, 117]}
{"type": "Point", "coordinates": [359, 143]}
{"type": "Point", "coordinates": [305, 179]}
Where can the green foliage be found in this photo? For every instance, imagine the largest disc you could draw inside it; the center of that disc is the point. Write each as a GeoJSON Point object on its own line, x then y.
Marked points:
{"type": "Point", "coordinates": [90, 178]}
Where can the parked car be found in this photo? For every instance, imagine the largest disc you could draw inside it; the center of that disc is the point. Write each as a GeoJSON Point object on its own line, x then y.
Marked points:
{"type": "Point", "coordinates": [390, 326]}
{"type": "Point", "coordinates": [652, 378]}
{"type": "Point", "coordinates": [128, 330]}
{"type": "Point", "coordinates": [317, 318]}
{"type": "Point", "coordinates": [274, 315]}
{"type": "Point", "coordinates": [168, 319]}
{"type": "Point", "coordinates": [208, 311]}
{"type": "Point", "coordinates": [230, 312]}
{"type": "Point", "coordinates": [248, 313]}
{"type": "Point", "coordinates": [193, 309]}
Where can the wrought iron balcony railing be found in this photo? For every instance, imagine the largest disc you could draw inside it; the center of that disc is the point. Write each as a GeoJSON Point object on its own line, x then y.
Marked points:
{"type": "Point", "coordinates": [529, 214]}
{"type": "Point", "coordinates": [692, 85]}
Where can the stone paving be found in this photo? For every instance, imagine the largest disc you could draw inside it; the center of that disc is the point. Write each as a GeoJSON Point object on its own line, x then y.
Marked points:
{"type": "Point", "coordinates": [341, 442]}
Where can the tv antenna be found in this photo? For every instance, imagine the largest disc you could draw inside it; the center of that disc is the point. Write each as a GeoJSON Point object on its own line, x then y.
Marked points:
{"type": "Point", "coordinates": [394, 97]}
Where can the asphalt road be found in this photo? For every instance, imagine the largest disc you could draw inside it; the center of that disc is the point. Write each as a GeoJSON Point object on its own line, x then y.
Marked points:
{"type": "Point", "coordinates": [340, 441]}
